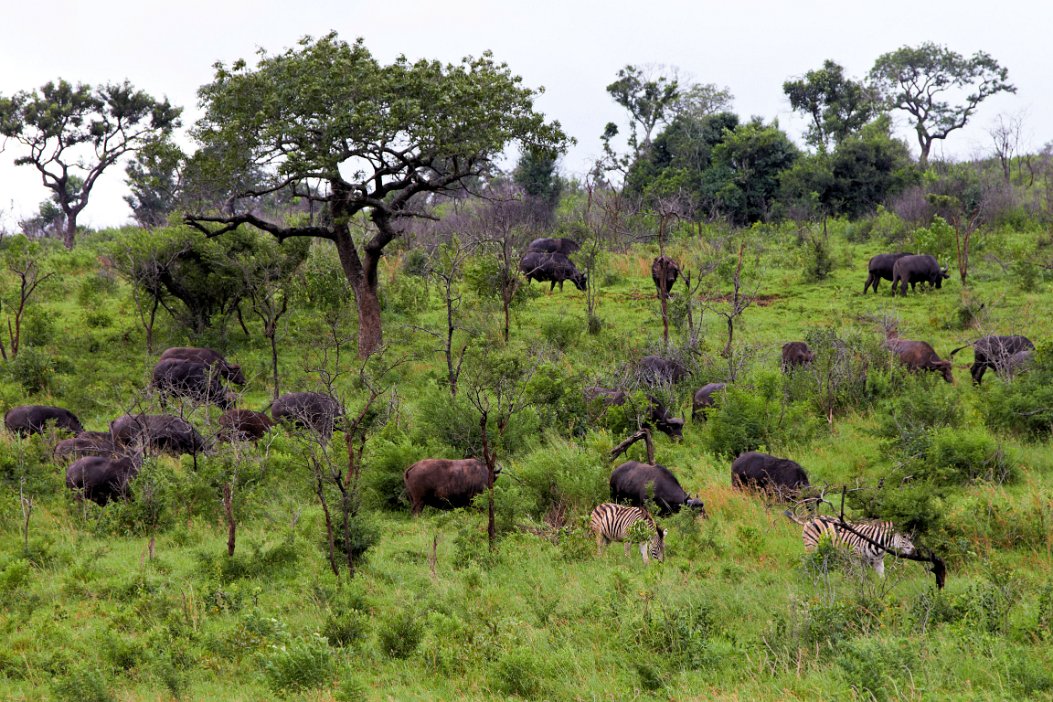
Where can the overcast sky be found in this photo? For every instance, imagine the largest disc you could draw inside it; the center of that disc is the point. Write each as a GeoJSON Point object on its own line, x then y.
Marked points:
{"type": "Point", "coordinates": [573, 49]}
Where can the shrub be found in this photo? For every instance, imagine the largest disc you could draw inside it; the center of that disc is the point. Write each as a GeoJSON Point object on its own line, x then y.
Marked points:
{"type": "Point", "coordinates": [33, 369]}
{"type": "Point", "coordinates": [346, 628]}
{"type": "Point", "coordinates": [1024, 406]}
{"type": "Point", "coordinates": [400, 633]}
{"type": "Point", "coordinates": [925, 402]}
{"type": "Point", "coordinates": [562, 332]}
{"type": "Point", "coordinates": [745, 421]}
{"type": "Point", "coordinates": [390, 454]}
{"type": "Point", "coordinates": [82, 684]}
{"type": "Point", "coordinates": [959, 456]}
{"type": "Point", "coordinates": [565, 474]}
{"type": "Point", "coordinates": [302, 664]}
{"type": "Point", "coordinates": [871, 666]}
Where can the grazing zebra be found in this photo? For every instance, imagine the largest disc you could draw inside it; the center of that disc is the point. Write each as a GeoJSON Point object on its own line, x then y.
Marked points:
{"type": "Point", "coordinates": [611, 522]}
{"type": "Point", "coordinates": [883, 533]}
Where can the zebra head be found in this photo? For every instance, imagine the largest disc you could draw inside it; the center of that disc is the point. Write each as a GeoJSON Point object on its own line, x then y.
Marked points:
{"type": "Point", "coordinates": [657, 545]}
{"type": "Point", "coordinates": [902, 544]}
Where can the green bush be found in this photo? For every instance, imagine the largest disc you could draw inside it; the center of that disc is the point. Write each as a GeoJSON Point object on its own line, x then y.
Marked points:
{"type": "Point", "coordinates": [522, 672]}
{"type": "Point", "coordinates": [33, 369]}
{"type": "Point", "coordinates": [302, 664]}
{"type": "Point", "coordinates": [924, 402]}
{"type": "Point", "coordinates": [1024, 406]}
{"type": "Point", "coordinates": [748, 421]}
{"type": "Point", "coordinates": [82, 684]}
{"type": "Point", "coordinates": [400, 633]}
{"type": "Point", "coordinates": [562, 332]}
{"type": "Point", "coordinates": [564, 475]}
{"type": "Point", "coordinates": [873, 666]}
{"type": "Point", "coordinates": [960, 456]}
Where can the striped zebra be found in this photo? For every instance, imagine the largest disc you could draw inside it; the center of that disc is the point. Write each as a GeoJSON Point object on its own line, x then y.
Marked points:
{"type": "Point", "coordinates": [880, 538]}
{"type": "Point", "coordinates": [611, 522]}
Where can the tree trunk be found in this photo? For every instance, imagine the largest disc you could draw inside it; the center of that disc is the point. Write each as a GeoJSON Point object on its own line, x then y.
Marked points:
{"type": "Point", "coordinates": [69, 232]}
{"type": "Point", "coordinates": [274, 361]}
{"type": "Point", "coordinates": [228, 512]}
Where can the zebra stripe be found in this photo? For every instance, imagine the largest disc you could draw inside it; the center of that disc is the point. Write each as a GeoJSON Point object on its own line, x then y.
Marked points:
{"type": "Point", "coordinates": [883, 535]}
{"type": "Point", "coordinates": [611, 522]}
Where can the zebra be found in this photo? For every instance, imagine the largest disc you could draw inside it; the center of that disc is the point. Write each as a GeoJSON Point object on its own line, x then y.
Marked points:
{"type": "Point", "coordinates": [870, 542]}
{"type": "Point", "coordinates": [611, 522]}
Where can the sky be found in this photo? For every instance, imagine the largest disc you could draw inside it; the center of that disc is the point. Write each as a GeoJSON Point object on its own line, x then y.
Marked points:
{"type": "Point", "coordinates": [573, 48]}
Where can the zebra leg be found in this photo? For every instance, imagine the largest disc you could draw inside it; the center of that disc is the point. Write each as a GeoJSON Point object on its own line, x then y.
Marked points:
{"type": "Point", "coordinates": [601, 543]}
{"type": "Point", "coordinates": [628, 546]}
{"type": "Point", "coordinates": [643, 552]}
{"type": "Point", "coordinates": [879, 565]}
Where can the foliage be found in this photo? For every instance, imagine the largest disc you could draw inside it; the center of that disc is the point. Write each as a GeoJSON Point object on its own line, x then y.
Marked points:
{"type": "Point", "coordinates": [1025, 405]}
{"type": "Point", "coordinates": [750, 421]}
{"type": "Point", "coordinates": [744, 178]}
{"type": "Point", "coordinates": [838, 106]}
{"type": "Point", "coordinates": [301, 664]}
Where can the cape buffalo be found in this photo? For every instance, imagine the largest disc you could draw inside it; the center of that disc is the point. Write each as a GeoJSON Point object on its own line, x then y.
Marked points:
{"type": "Point", "coordinates": [86, 443]}
{"type": "Point", "coordinates": [311, 410]}
{"type": "Point", "coordinates": [917, 269]}
{"type": "Point", "coordinates": [551, 267]}
{"type": "Point", "coordinates": [919, 355]}
{"type": "Point", "coordinates": [560, 246]}
{"type": "Point", "coordinates": [999, 353]}
{"type": "Point", "coordinates": [197, 382]}
{"type": "Point", "coordinates": [796, 354]}
{"type": "Point", "coordinates": [655, 370]}
{"type": "Point", "coordinates": [209, 357]}
{"type": "Point", "coordinates": [444, 483]}
{"type": "Point", "coordinates": [703, 399]}
{"type": "Point", "coordinates": [102, 479]}
{"type": "Point", "coordinates": [880, 268]}
{"type": "Point", "coordinates": [664, 267]}
{"type": "Point", "coordinates": [765, 472]}
{"type": "Point", "coordinates": [31, 419]}
{"type": "Point", "coordinates": [243, 425]}
{"type": "Point", "coordinates": [160, 432]}
{"type": "Point", "coordinates": [638, 483]}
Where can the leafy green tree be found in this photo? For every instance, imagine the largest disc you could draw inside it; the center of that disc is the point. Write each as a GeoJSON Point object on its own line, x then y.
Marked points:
{"type": "Point", "coordinates": [536, 174]}
{"type": "Point", "coordinates": [917, 80]}
{"type": "Point", "coordinates": [743, 180]}
{"type": "Point", "coordinates": [375, 137]}
{"type": "Point", "coordinates": [649, 101]}
{"type": "Point", "coordinates": [78, 132]}
{"type": "Point", "coordinates": [838, 106]}
{"type": "Point", "coordinates": [153, 179]}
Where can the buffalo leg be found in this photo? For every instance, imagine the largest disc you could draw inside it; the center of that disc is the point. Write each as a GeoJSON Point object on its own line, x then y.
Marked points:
{"type": "Point", "coordinates": [870, 279]}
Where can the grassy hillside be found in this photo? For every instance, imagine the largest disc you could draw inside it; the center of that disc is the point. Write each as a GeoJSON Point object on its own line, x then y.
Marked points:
{"type": "Point", "coordinates": [737, 611]}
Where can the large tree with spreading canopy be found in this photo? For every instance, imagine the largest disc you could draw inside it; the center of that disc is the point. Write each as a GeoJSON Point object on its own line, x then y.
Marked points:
{"type": "Point", "coordinates": [326, 120]}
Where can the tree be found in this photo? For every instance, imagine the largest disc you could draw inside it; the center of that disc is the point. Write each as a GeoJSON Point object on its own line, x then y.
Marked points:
{"type": "Point", "coordinates": [77, 131]}
{"type": "Point", "coordinates": [22, 258]}
{"type": "Point", "coordinates": [649, 99]}
{"type": "Point", "coordinates": [372, 139]}
{"type": "Point", "coordinates": [1006, 136]}
{"type": "Point", "coordinates": [743, 179]}
{"type": "Point", "coordinates": [153, 179]}
{"type": "Point", "coordinates": [838, 106]}
{"type": "Point", "coordinates": [917, 80]}
{"type": "Point", "coordinates": [536, 174]}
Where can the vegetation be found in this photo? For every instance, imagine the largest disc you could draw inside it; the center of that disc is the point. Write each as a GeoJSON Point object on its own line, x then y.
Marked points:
{"type": "Point", "coordinates": [292, 569]}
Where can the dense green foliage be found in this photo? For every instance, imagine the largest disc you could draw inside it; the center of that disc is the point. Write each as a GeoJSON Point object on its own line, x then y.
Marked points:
{"type": "Point", "coordinates": [139, 600]}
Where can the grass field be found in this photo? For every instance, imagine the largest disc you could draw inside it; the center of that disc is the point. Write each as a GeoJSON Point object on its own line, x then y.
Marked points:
{"type": "Point", "coordinates": [736, 612]}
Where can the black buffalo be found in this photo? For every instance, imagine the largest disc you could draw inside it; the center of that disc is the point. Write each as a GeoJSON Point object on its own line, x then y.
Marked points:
{"type": "Point", "coordinates": [209, 357]}
{"type": "Point", "coordinates": [243, 425]}
{"type": "Point", "coordinates": [796, 354]}
{"type": "Point", "coordinates": [703, 399]}
{"type": "Point", "coordinates": [86, 443]}
{"type": "Point", "coordinates": [159, 432]}
{"type": "Point", "coordinates": [639, 483]}
{"type": "Point", "coordinates": [560, 246]}
{"type": "Point", "coordinates": [917, 269]}
{"type": "Point", "coordinates": [551, 267]}
{"type": "Point", "coordinates": [999, 353]}
{"type": "Point", "coordinates": [655, 370]}
{"type": "Point", "coordinates": [880, 268]}
{"type": "Point", "coordinates": [102, 479]}
{"type": "Point", "coordinates": [445, 483]}
{"type": "Point", "coordinates": [32, 419]}
{"type": "Point", "coordinates": [197, 382]}
{"type": "Point", "coordinates": [919, 355]}
{"type": "Point", "coordinates": [311, 410]}
{"type": "Point", "coordinates": [764, 472]}
{"type": "Point", "coordinates": [664, 269]}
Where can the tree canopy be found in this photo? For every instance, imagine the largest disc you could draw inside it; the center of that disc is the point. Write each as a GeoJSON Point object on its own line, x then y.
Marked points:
{"type": "Point", "coordinates": [326, 120]}
{"type": "Point", "coordinates": [74, 133]}
{"type": "Point", "coordinates": [837, 105]}
{"type": "Point", "coordinates": [921, 80]}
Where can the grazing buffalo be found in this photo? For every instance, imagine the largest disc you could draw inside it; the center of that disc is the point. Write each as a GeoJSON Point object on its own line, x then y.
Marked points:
{"type": "Point", "coordinates": [880, 268]}
{"type": "Point", "coordinates": [311, 410]}
{"type": "Point", "coordinates": [917, 269]}
{"type": "Point", "coordinates": [703, 399]}
{"type": "Point", "coordinates": [796, 354]}
{"type": "Point", "coordinates": [31, 419]}
{"type": "Point", "coordinates": [159, 432]}
{"type": "Point", "coordinates": [226, 370]}
{"type": "Point", "coordinates": [102, 479]}
{"type": "Point", "coordinates": [655, 370]}
{"type": "Point", "coordinates": [764, 472]}
{"type": "Point", "coordinates": [86, 443]}
{"type": "Point", "coordinates": [658, 415]}
{"type": "Point", "coordinates": [664, 269]}
{"type": "Point", "coordinates": [197, 382]}
{"type": "Point", "coordinates": [558, 246]}
{"type": "Point", "coordinates": [1016, 363]}
{"type": "Point", "coordinates": [919, 355]}
{"type": "Point", "coordinates": [638, 483]}
{"type": "Point", "coordinates": [1002, 354]}
{"type": "Point", "coordinates": [243, 425]}
{"type": "Point", "coordinates": [444, 483]}
{"type": "Point", "coordinates": [551, 267]}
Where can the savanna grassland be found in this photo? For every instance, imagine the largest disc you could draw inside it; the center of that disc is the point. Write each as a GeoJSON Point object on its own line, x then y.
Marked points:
{"type": "Point", "coordinates": [140, 601]}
